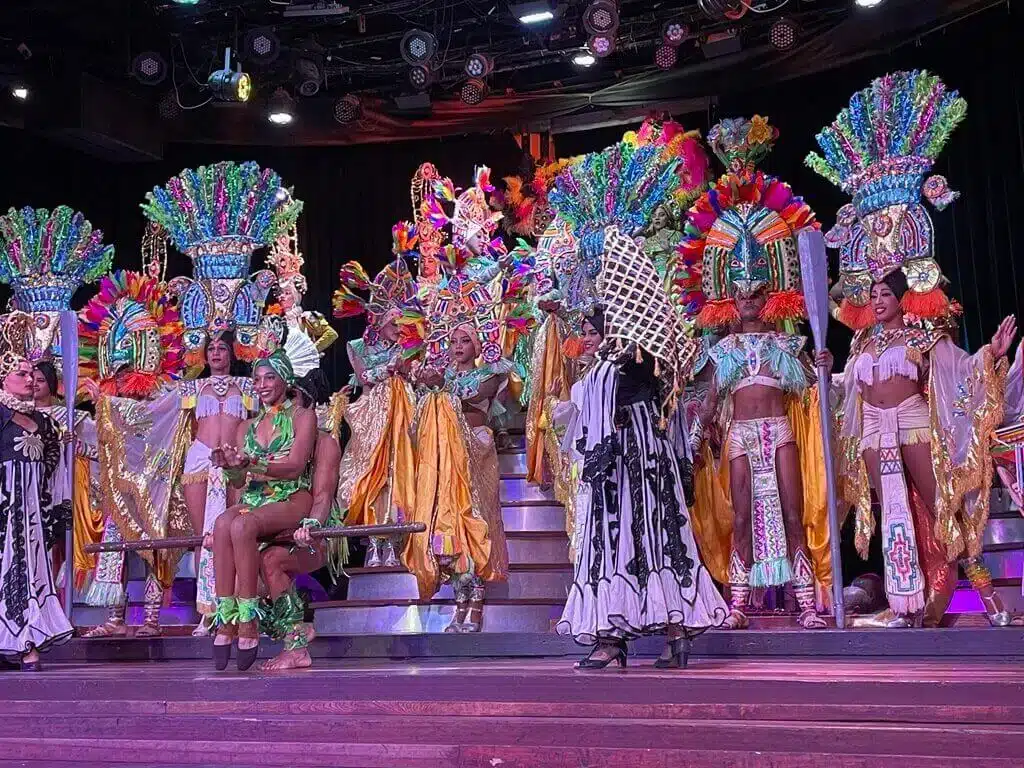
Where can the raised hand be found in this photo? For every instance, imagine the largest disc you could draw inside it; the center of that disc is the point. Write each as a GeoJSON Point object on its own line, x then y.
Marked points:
{"type": "Point", "coordinates": [1004, 336]}
{"type": "Point", "coordinates": [823, 359]}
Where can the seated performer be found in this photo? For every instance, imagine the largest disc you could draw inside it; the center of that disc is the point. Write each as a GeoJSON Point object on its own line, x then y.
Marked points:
{"type": "Point", "coordinates": [281, 562]}
{"type": "Point", "coordinates": [34, 509]}
{"type": "Point", "coordinates": [918, 413]}
{"type": "Point", "coordinates": [270, 463]}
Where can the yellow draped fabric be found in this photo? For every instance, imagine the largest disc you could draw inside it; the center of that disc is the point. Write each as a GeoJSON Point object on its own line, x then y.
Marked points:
{"type": "Point", "coordinates": [87, 522]}
{"type": "Point", "coordinates": [444, 500]}
{"type": "Point", "coordinates": [712, 514]}
{"type": "Point", "coordinates": [379, 458]}
{"type": "Point", "coordinates": [548, 370]}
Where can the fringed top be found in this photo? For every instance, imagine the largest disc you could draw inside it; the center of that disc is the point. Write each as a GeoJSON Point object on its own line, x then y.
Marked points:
{"type": "Point", "coordinates": [741, 356]}
{"type": "Point", "coordinates": [894, 361]}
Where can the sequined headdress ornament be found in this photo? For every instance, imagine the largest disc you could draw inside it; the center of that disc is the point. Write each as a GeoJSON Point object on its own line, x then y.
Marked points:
{"type": "Point", "coordinates": [130, 336]}
{"type": "Point", "coordinates": [879, 150]}
{"type": "Point", "coordinates": [16, 341]}
{"type": "Point", "coordinates": [525, 207]}
{"type": "Point", "coordinates": [388, 292]}
{"type": "Point", "coordinates": [45, 257]}
{"type": "Point", "coordinates": [218, 215]}
{"type": "Point", "coordinates": [430, 239]}
{"type": "Point", "coordinates": [740, 236]}
{"type": "Point", "coordinates": [473, 214]}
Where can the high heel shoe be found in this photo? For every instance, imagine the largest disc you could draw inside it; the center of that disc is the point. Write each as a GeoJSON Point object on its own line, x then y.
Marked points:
{"type": "Point", "coordinates": [618, 656]}
{"type": "Point", "coordinates": [680, 650]}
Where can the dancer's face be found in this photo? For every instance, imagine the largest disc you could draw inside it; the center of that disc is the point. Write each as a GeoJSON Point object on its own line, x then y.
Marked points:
{"type": "Point", "coordinates": [270, 388]}
{"type": "Point", "coordinates": [591, 338]}
{"type": "Point", "coordinates": [750, 307]}
{"type": "Point", "coordinates": [884, 303]}
{"type": "Point", "coordinates": [389, 331]}
{"type": "Point", "coordinates": [20, 382]}
{"type": "Point", "coordinates": [218, 355]}
{"type": "Point", "coordinates": [463, 350]}
{"type": "Point", "coordinates": [40, 387]}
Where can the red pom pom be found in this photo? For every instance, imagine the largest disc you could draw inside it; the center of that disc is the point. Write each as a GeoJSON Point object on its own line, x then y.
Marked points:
{"type": "Point", "coordinates": [784, 305]}
{"type": "Point", "coordinates": [927, 305]}
{"type": "Point", "coordinates": [718, 314]}
{"type": "Point", "coordinates": [854, 317]}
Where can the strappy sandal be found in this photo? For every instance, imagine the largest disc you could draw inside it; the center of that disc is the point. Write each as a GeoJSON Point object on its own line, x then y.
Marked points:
{"type": "Point", "coordinates": [618, 647]}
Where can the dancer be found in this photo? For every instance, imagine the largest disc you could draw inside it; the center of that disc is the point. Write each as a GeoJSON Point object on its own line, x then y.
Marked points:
{"type": "Point", "coordinates": [637, 569]}
{"type": "Point", "coordinates": [918, 413]}
{"type": "Point", "coordinates": [269, 461]}
{"type": "Point", "coordinates": [457, 494]}
{"type": "Point", "coordinates": [35, 507]}
{"type": "Point", "coordinates": [377, 475]}
{"type": "Point", "coordinates": [281, 562]}
{"type": "Point", "coordinates": [744, 232]}
{"type": "Point", "coordinates": [131, 351]}
{"type": "Point", "coordinates": [218, 401]}
{"type": "Point", "coordinates": [287, 260]}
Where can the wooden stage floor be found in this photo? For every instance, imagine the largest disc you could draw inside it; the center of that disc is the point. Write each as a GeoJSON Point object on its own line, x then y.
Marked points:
{"type": "Point", "coordinates": [505, 713]}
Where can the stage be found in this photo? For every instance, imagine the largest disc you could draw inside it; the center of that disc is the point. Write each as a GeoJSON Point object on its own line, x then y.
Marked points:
{"type": "Point", "coordinates": [837, 706]}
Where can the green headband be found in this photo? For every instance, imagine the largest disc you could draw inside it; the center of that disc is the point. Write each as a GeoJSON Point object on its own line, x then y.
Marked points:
{"type": "Point", "coordinates": [280, 364]}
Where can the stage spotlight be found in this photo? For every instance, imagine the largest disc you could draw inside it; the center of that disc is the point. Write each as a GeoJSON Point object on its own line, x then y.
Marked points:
{"type": "Point", "coordinates": [169, 107]}
{"type": "Point", "coordinates": [601, 45]}
{"type": "Point", "coordinates": [281, 109]}
{"type": "Point", "coordinates": [675, 32]}
{"type": "Point", "coordinates": [783, 34]}
{"type": "Point", "coordinates": [478, 65]}
{"type": "Point", "coordinates": [309, 76]}
{"type": "Point", "coordinates": [186, 2]}
{"type": "Point", "coordinates": [722, 9]}
{"type": "Point", "coordinates": [347, 109]}
{"type": "Point", "coordinates": [262, 46]}
{"type": "Point", "coordinates": [228, 85]}
{"type": "Point", "coordinates": [149, 68]}
{"type": "Point", "coordinates": [418, 47]}
{"type": "Point", "coordinates": [532, 13]}
{"type": "Point", "coordinates": [601, 17]}
{"type": "Point", "coordinates": [419, 78]}
{"type": "Point", "coordinates": [665, 56]}
{"type": "Point", "coordinates": [868, 3]}
{"type": "Point", "coordinates": [584, 59]}
{"type": "Point", "coordinates": [473, 91]}
{"type": "Point", "coordinates": [20, 92]}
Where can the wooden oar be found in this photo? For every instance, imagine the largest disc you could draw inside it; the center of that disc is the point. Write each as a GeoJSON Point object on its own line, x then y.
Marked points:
{"type": "Point", "coordinates": [190, 542]}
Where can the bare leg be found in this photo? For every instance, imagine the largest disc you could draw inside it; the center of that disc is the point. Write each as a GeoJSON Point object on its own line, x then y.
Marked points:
{"type": "Point", "coordinates": [195, 503]}
{"type": "Point", "coordinates": [278, 568]}
{"type": "Point", "coordinates": [224, 568]}
{"type": "Point", "coordinates": [246, 530]}
{"type": "Point", "coordinates": [742, 557]}
{"type": "Point", "coordinates": [791, 494]}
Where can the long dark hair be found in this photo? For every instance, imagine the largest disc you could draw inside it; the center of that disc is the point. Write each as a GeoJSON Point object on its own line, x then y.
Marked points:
{"type": "Point", "coordinates": [238, 367]}
{"type": "Point", "coordinates": [49, 371]}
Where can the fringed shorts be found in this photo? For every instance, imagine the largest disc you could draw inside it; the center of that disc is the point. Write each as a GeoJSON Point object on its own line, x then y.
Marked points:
{"type": "Point", "coordinates": [912, 418]}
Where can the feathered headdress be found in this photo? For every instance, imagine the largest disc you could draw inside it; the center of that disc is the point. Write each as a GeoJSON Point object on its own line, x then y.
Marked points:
{"type": "Point", "coordinates": [218, 215]}
{"type": "Point", "coordinates": [675, 142]}
{"type": "Point", "coordinates": [46, 256]}
{"type": "Point", "coordinates": [472, 215]}
{"type": "Point", "coordinates": [525, 204]}
{"type": "Point", "coordinates": [742, 233]}
{"type": "Point", "coordinates": [130, 336]}
{"type": "Point", "coordinates": [879, 150]}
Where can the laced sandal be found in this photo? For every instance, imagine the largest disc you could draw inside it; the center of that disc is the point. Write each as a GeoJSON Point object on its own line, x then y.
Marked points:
{"type": "Point", "coordinates": [459, 616]}
{"type": "Point", "coordinates": [679, 654]}
{"type": "Point", "coordinates": [390, 557]}
{"type": "Point", "coordinates": [618, 655]}
{"type": "Point", "coordinates": [113, 627]}
{"type": "Point", "coordinates": [476, 608]}
{"type": "Point", "coordinates": [205, 626]}
{"type": "Point", "coordinates": [373, 558]}
{"type": "Point", "coordinates": [809, 619]}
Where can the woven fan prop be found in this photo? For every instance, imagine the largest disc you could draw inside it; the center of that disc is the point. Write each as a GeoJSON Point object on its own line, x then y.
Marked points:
{"type": "Point", "coordinates": [637, 309]}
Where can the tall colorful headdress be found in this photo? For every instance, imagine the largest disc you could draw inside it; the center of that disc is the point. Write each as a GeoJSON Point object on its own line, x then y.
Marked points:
{"type": "Point", "coordinates": [879, 150]}
{"type": "Point", "coordinates": [741, 235]}
{"type": "Point", "coordinates": [430, 239]}
{"type": "Point", "coordinates": [525, 207]}
{"type": "Point", "coordinates": [473, 215]}
{"type": "Point", "coordinates": [17, 340]}
{"type": "Point", "coordinates": [218, 215]}
{"type": "Point", "coordinates": [45, 257]}
{"type": "Point", "coordinates": [130, 336]}
{"type": "Point", "coordinates": [389, 291]}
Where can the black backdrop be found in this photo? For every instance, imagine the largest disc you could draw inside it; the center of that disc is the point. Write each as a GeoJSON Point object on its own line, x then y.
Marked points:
{"type": "Point", "coordinates": [354, 194]}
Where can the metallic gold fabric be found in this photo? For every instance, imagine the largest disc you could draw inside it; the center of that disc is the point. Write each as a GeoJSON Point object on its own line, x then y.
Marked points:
{"type": "Point", "coordinates": [87, 522]}
{"type": "Point", "coordinates": [547, 367]}
{"type": "Point", "coordinates": [379, 461]}
{"type": "Point", "coordinates": [142, 448]}
{"type": "Point", "coordinates": [805, 419]}
{"type": "Point", "coordinates": [486, 495]}
{"type": "Point", "coordinates": [712, 513]}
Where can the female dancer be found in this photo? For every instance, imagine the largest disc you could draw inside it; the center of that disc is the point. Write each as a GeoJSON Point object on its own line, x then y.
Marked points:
{"type": "Point", "coordinates": [637, 567]}
{"type": "Point", "coordinates": [270, 463]}
{"type": "Point", "coordinates": [915, 406]}
{"type": "Point", "coordinates": [34, 510]}
{"type": "Point", "coordinates": [221, 399]}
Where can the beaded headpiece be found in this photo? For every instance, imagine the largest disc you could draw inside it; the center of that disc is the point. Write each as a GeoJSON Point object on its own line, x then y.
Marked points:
{"type": "Point", "coordinates": [473, 215]}
{"type": "Point", "coordinates": [741, 234]}
{"type": "Point", "coordinates": [17, 332]}
{"type": "Point", "coordinates": [431, 239]}
{"type": "Point", "coordinates": [130, 339]}
{"type": "Point", "coordinates": [218, 215]}
{"type": "Point", "coordinates": [879, 150]}
{"type": "Point", "coordinates": [45, 257]}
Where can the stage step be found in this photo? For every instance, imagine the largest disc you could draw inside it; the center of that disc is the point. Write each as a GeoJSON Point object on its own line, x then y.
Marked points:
{"type": "Point", "coordinates": [536, 547]}
{"type": "Point", "coordinates": [518, 490]}
{"type": "Point", "coordinates": [514, 463]}
{"type": "Point", "coordinates": [523, 518]}
{"type": "Point", "coordinates": [390, 616]}
{"type": "Point", "coordinates": [547, 580]}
